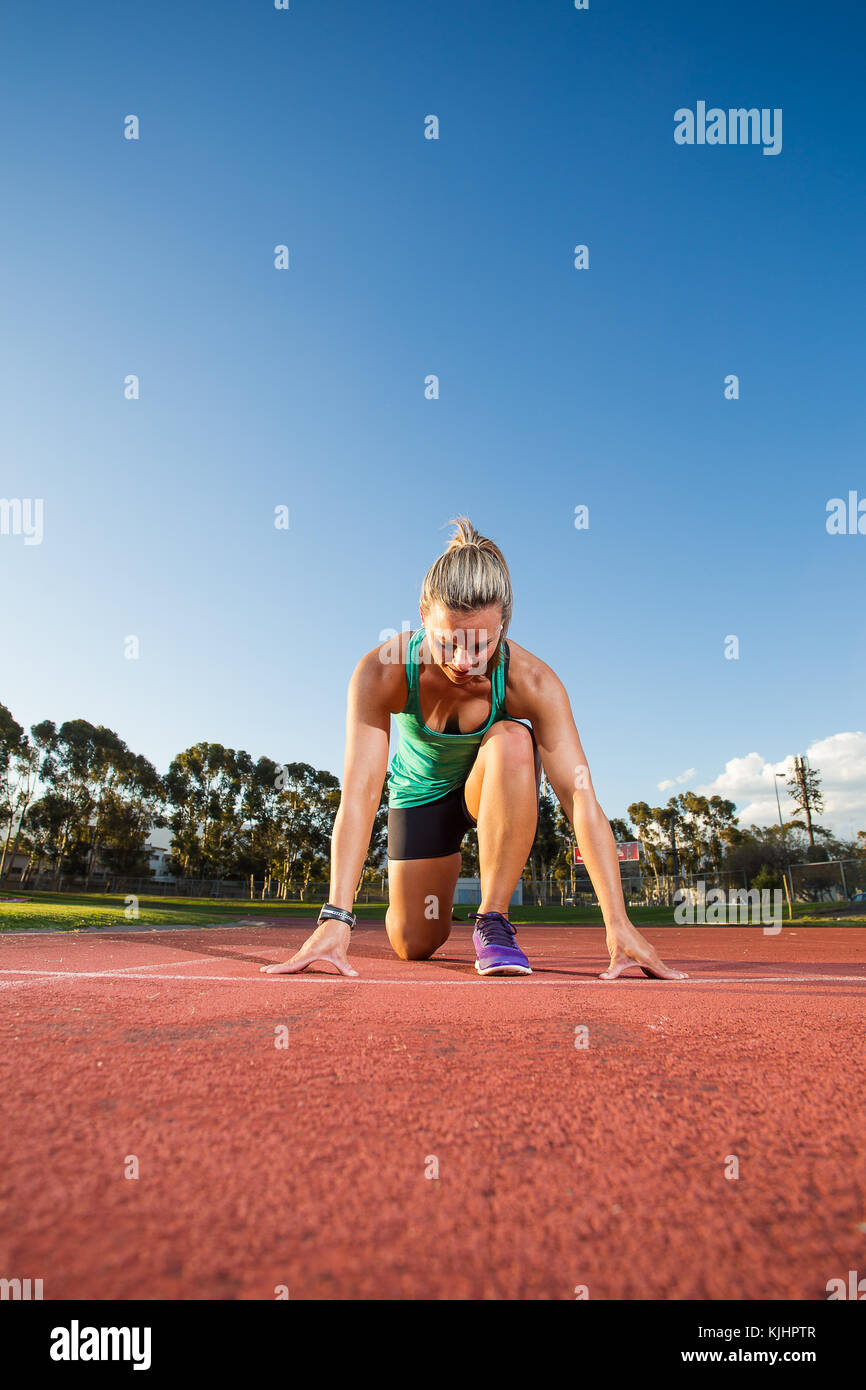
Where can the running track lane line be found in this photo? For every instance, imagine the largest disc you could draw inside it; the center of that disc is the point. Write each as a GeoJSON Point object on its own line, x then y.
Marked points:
{"type": "Point", "coordinates": [41, 976]}
{"type": "Point", "coordinates": [115, 969]}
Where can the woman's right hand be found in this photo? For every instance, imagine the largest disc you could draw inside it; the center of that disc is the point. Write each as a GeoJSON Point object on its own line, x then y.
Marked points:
{"type": "Point", "coordinates": [328, 944]}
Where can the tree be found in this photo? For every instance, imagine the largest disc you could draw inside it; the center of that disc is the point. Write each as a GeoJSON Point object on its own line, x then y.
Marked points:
{"type": "Point", "coordinates": [562, 875]}
{"type": "Point", "coordinates": [651, 837]}
{"type": "Point", "coordinates": [470, 864]}
{"type": "Point", "coordinates": [720, 826]}
{"type": "Point", "coordinates": [109, 760]}
{"type": "Point", "coordinates": [67, 773]}
{"type": "Point", "coordinates": [49, 825]}
{"type": "Point", "coordinates": [19, 793]}
{"type": "Point", "coordinates": [766, 878]}
{"type": "Point", "coordinates": [547, 845]}
{"type": "Point", "coordinates": [804, 786]}
{"type": "Point", "coordinates": [12, 743]}
{"type": "Point", "coordinates": [705, 823]}
{"type": "Point", "coordinates": [307, 809]}
{"type": "Point", "coordinates": [377, 852]}
{"type": "Point", "coordinates": [203, 785]}
{"type": "Point", "coordinates": [130, 810]}
{"type": "Point", "coordinates": [622, 831]}
{"type": "Point", "coordinates": [260, 803]}
{"type": "Point", "coordinates": [657, 828]}
{"type": "Point", "coordinates": [671, 819]}
{"type": "Point", "coordinates": [764, 844]}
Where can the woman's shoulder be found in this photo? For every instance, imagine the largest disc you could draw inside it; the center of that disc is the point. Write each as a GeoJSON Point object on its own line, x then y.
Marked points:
{"type": "Point", "coordinates": [383, 669]}
{"type": "Point", "coordinates": [527, 676]}
{"type": "Point", "coordinates": [524, 663]}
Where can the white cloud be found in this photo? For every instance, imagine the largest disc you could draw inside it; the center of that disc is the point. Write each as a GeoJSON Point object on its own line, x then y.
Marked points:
{"type": "Point", "coordinates": [840, 759]}
{"type": "Point", "coordinates": [672, 782]}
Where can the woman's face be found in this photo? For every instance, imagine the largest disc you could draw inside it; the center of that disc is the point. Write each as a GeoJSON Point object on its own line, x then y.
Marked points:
{"type": "Point", "coordinates": [462, 644]}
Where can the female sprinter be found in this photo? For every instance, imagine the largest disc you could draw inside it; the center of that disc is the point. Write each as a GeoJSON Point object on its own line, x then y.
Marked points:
{"type": "Point", "coordinates": [460, 693]}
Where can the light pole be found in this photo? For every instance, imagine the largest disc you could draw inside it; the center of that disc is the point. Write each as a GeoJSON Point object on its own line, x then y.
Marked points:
{"type": "Point", "coordinates": [784, 846]}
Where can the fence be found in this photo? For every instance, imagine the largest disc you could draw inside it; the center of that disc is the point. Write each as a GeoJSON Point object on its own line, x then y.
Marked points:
{"type": "Point", "coordinates": [836, 880]}
{"type": "Point", "coordinates": [215, 888]}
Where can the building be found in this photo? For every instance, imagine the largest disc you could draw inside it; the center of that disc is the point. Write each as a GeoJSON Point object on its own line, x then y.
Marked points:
{"type": "Point", "coordinates": [158, 860]}
{"type": "Point", "coordinates": [468, 890]}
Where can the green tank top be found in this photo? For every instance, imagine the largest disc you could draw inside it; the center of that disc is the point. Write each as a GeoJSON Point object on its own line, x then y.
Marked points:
{"type": "Point", "coordinates": [428, 764]}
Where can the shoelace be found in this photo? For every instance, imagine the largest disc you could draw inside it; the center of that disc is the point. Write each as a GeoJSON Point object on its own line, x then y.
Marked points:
{"type": "Point", "coordinates": [494, 928]}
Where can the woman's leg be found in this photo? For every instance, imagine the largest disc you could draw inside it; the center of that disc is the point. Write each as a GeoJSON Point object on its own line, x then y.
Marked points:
{"type": "Point", "coordinates": [501, 794]}
{"type": "Point", "coordinates": [420, 895]}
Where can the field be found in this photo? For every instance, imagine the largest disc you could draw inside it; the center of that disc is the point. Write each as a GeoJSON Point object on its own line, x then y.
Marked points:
{"type": "Point", "coordinates": [86, 911]}
{"type": "Point", "coordinates": [178, 1125]}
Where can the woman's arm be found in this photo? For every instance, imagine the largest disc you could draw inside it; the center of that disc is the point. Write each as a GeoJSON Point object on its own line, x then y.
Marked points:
{"type": "Point", "coordinates": [368, 728]}
{"type": "Point", "coordinates": [368, 731]}
{"type": "Point", "coordinates": [567, 770]}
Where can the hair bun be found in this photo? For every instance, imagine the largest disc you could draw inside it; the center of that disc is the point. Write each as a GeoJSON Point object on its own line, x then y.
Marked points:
{"type": "Point", "coordinates": [470, 574]}
{"type": "Point", "coordinates": [465, 534]}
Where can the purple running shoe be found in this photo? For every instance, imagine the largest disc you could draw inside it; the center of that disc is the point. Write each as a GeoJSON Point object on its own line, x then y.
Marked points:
{"type": "Point", "coordinates": [495, 947]}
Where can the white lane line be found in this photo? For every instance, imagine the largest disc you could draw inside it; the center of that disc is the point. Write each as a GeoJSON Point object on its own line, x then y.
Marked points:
{"type": "Point", "coordinates": [40, 976]}
{"type": "Point", "coordinates": [114, 970]}
{"type": "Point", "coordinates": [156, 965]}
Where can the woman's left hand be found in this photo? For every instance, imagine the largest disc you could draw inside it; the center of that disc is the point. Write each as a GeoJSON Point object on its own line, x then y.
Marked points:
{"type": "Point", "coordinates": [627, 948]}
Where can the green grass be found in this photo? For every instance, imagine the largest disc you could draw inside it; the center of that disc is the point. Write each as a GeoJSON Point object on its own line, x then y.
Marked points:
{"type": "Point", "coordinates": [77, 911]}
{"type": "Point", "coordinates": [583, 916]}
{"type": "Point", "coordinates": [809, 914]}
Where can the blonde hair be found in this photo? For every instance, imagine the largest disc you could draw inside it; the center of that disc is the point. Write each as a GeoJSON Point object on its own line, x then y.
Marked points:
{"type": "Point", "coordinates": [470, 574]}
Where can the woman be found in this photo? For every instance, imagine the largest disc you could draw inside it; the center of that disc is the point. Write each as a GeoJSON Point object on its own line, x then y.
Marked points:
{"type": "Point", "coordinates": [478, 718]}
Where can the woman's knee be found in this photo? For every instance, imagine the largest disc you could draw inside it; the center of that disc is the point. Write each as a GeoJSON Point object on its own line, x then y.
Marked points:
{"type": "Point", "coordinates": [413, 942]}
{"type": "Point", "coordinates": [513, 741]}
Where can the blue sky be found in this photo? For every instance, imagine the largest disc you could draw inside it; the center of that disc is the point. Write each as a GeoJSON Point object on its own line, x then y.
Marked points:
{"type": "Point", "coordinates": [408, 256]}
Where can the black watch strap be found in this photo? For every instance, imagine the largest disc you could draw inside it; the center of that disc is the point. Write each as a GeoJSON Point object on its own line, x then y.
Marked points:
{"type": "Point", "coordinates": [339, 914]}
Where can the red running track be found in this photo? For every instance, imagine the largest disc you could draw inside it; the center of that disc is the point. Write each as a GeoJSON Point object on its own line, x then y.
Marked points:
{"type": "Point", "coordinates": [559, 1167]}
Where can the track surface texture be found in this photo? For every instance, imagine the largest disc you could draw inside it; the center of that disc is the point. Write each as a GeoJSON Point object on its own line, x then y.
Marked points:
{"type": "Point", "coordinates": [311, 1165]}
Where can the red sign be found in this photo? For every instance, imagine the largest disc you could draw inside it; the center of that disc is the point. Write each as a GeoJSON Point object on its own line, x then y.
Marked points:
{"type": "Point", "coordinates": [627, 850]}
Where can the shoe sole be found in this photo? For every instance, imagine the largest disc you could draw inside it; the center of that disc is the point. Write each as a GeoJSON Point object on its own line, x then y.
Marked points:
{"type": "Point", "coordinates": [505, 970]}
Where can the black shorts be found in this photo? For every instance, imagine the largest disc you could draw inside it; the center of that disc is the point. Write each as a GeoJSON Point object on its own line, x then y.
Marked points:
{"type": "Point", "coordinates": [430, 831]}
{"type": "Point", "coordinates": [433, 830]}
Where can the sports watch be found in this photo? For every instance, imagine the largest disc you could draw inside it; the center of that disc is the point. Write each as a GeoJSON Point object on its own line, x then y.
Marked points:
{"type": "Point", "coordinates": [339, 914]}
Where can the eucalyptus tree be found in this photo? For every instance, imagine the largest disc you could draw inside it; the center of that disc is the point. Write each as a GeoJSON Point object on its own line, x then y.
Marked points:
{"type": "Point", "coordinates": [653, 838]}
{"type": "Point", "coordinates": [259, 808]}
{"type": "Point", "coordinates": [547, 845]}
{"type": "Point", "coordinates": [307, 808]}
{"type": "Point", "coordinates": [49, 829]}
{"type": "Point", "coordinates": [13, 742]}
{"type": "Point", "coordinates": [68, 773]}
{"type": "Point", "coordinates": [20, 784]}
{"type": "Point", "coordinates": [109, 761]}
{"type": "Point", "coordinates": [130, 810]}
{"type": "Point", "coordinates": [705, 822]}
{"type": "Point", "coordinates": [202, 786]}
